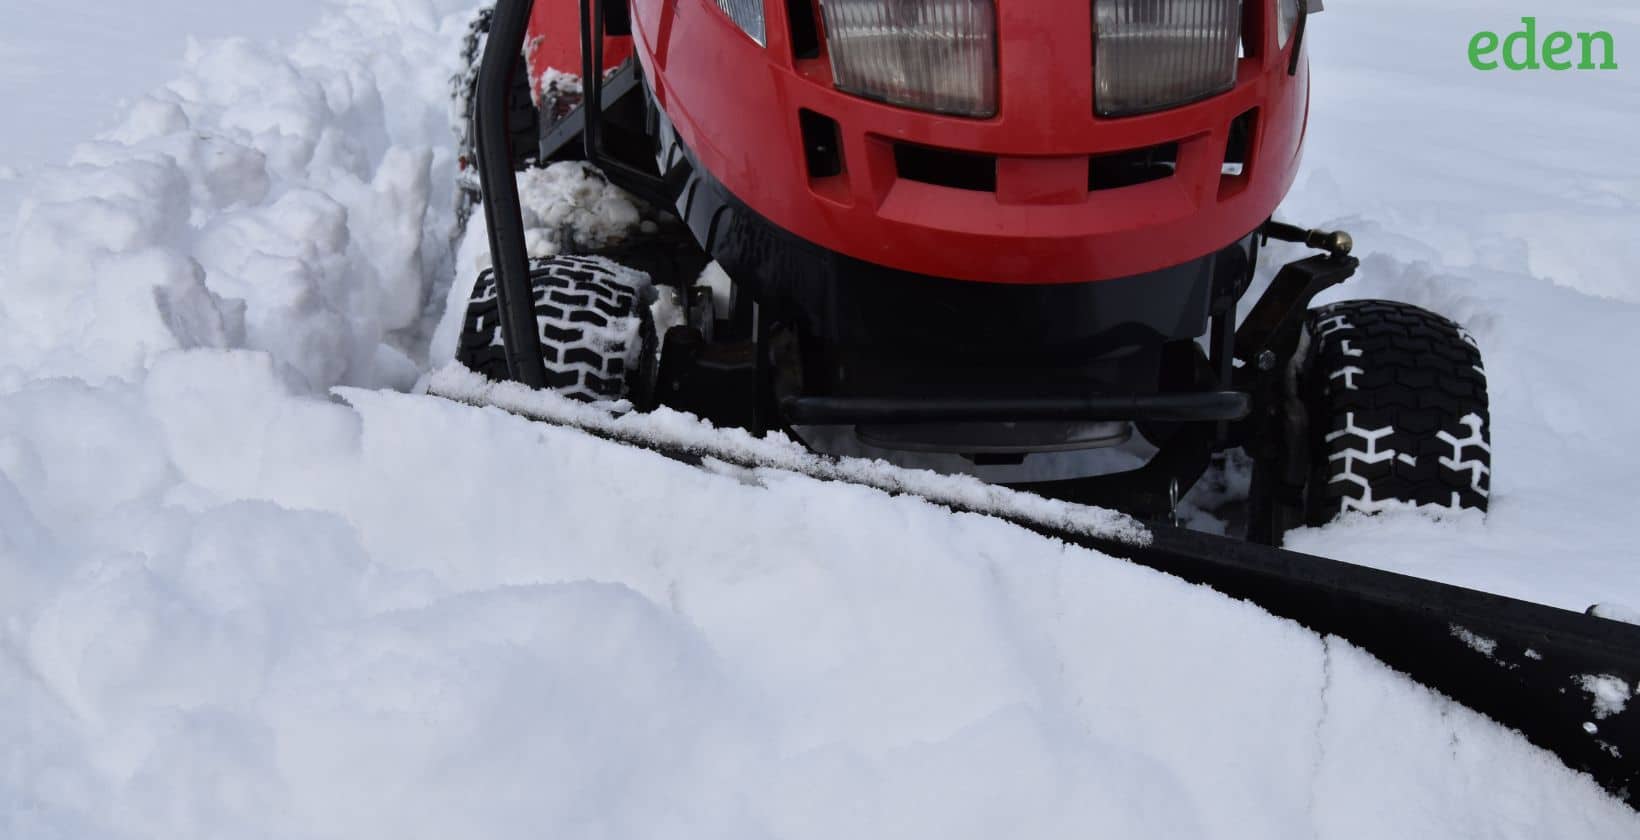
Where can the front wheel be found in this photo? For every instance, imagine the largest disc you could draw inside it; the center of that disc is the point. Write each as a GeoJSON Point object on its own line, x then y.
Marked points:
{"type": "Point", "coordinates": [1397, 411]}
{"type": "Point", "coordinates": [593, 320]}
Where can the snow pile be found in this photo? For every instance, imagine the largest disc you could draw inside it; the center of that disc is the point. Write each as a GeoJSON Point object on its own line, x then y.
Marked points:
{"type": "Point", "coordinates": [234, 610]}
{"type": "Point", "coordinates": [231, 606]}
{"type": "Point", "coordinates": [270, 198]}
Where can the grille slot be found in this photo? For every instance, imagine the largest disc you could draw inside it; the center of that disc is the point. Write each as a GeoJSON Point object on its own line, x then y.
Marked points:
{"type": "Point", "coordinates": [1132, 167]}
{"type": "Point", "coordinates": [946, 167]}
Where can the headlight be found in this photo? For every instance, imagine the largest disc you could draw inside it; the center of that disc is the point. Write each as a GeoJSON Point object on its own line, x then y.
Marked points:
{"type": "Point", "coordinates": [1154, 54]}
{"type": "Point", "coordinates": [748, 15]}
{"type": "Point", "coordinates": [933, 55]}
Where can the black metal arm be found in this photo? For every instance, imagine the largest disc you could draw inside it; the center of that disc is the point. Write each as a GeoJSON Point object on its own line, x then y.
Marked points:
{"type": "Point", "coordinates": [502, 213]}
{"type": "Point", "coordinates": [509, 24]}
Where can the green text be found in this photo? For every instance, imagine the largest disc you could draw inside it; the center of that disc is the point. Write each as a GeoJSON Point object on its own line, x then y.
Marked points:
{"type": "Point", "coordinates": [1521, 50]}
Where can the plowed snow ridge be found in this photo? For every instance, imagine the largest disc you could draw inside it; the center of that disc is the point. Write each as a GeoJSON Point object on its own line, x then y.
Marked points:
{"type": "Point", "coordinates": [232, 606]}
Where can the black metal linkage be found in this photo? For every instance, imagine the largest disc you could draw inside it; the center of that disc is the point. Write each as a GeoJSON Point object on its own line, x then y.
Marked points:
{"type": "Point", "coordinates": [1285, 304]}
{"type": "Point", "coordinates": [502, 213]}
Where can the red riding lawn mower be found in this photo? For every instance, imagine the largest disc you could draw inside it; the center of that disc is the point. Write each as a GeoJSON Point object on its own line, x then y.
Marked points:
{"type": "Point", "coordinates": [1007, 239]}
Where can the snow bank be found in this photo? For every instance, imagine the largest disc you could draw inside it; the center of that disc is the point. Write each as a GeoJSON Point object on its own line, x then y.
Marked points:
{"type": "Point", "coordinates": [252, 613]}
{"type": "Point", "coordinates": [270, 198]}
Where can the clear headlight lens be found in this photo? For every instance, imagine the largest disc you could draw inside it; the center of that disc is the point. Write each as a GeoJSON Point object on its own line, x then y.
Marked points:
{"type": "Point", "coordinates": [748, 15]}
{"type": "Point", "coordinates": [933, 55]}
{"type": "Point", "coordinates": [1155, 54]}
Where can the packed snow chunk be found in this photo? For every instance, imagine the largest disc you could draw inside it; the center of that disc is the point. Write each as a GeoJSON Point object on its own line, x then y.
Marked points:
{"type": "Point", "coordinates": [1479, 644]}
{"type": "Point", "coordinates": [566, 205]}
{"type": "Point", "coordinates": [576, 198]}
{"type": "Point", "coordinates": [94, 254]}
{"type": "Point", "coordinates": [1611, 694]}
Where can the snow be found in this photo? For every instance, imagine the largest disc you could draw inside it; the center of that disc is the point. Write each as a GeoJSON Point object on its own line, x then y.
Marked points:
{"type": "Point", "coordinates": [1477, 643]}
{"type": "Point", "coordinates": [1611, 694]}
{"type": "Point", "coordinates": [252, 612]}
{"type": "Point", "coordinates": [1506, 201]}
{"type": "Point", "coordinates": [253, 169]}
{"type": "Point", "coordinates": [237, 601]}
{"type": "Point", "coordinates": [1616, 612]}
{"type": "Point", "coordinates": [668, 430]}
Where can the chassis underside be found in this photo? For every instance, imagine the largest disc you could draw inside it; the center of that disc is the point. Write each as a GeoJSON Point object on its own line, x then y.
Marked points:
{"type": "Point", "coordinates": [998, 380]}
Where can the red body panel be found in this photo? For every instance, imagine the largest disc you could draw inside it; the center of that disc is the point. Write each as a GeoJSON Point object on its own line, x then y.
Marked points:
{"type": "Point", "coordinates": [554, 41]}
{"type": "Point", "coordinates": [735, 105]}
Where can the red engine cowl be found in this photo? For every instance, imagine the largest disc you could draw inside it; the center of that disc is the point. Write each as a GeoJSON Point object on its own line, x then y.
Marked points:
{"type": "Point", "coordinates": [735, 104]}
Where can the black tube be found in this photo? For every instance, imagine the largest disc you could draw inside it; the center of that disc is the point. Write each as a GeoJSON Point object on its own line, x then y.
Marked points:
{"type": "Point", "coordinates": [592, 79]}
{"type": "Point", "coordinates": [502, 213]}
{"type": "Point", "coordinates": [826, 411]}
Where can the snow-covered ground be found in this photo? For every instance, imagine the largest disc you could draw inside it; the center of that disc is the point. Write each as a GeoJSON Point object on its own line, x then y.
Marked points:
{"type": "Point", "coordinates": [232, 605]}
{"type": "Point", "coordinates": [1510, 202]}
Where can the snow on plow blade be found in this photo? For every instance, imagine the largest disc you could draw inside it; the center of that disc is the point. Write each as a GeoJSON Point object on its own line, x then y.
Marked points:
{"type": "Point", "coordinates": [1565, 680]}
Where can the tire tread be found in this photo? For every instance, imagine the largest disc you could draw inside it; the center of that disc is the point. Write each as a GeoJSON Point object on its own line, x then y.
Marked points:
{"type": "Point", "coordinates": [1391, 377]}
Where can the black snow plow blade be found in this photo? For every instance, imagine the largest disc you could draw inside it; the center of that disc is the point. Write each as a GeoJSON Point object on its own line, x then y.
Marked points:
{"type": "Point", "coordinates": [1563, 679]}
{"type": "Point", "coordinates": [1533, 668]}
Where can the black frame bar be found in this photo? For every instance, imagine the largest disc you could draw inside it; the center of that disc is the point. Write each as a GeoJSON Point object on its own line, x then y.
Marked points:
{"type": "Point", "coordinates": [1204, 406]}
{"type": "Point", "coordinates": [503, 216]}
